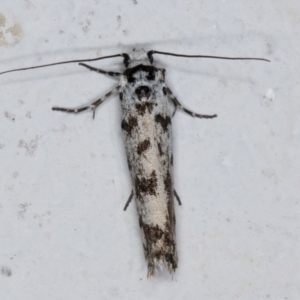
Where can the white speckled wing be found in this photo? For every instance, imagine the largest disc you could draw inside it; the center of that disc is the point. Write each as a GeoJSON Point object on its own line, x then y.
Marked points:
{"type": "Point", "coordinates": [146, 124]}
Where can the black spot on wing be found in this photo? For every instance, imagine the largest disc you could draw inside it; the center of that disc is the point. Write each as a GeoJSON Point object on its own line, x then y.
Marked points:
{"type": "Point", "coordinates": [161, 153]}
{"type": "Point", "coordinates": [168, 183]}
{"type": "Point", "coordinates": [141, 221]}
{"type": "Point", "coordinates": [152, 233]}
{"type": "Point", "coordinates": [141, 108]}
{"type": "Point", "coordinates": [163, 121]}
{"type": "Point", "coordinates": [171, 258]}
{"type": "Point", "coordinates": [129, 124]}
{"type": "Point", "coordinates": [143, 146]}
{"type": "Point", "coordinates": [146, 186]}
{"type": "Point", "coordinates": [121, 96]}
{"type": "Point", "coordinates": [129, 164]}
{"type": "Point", "coordinates": [159, 246]}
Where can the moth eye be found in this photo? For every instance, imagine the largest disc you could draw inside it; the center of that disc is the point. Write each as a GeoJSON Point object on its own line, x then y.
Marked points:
{"type": "Point", "coordinates": [151, 76]}
{"type": "Point", "coordinates": [131, 79]}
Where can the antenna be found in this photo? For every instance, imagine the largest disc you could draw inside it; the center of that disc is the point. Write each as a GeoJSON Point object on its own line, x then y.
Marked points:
{"type": "Point", "coordinates": [65, 62]}
{"type": "Point", "coordinates": [150, 53]}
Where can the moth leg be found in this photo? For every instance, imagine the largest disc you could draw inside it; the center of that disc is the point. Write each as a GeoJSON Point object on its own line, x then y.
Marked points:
{"type": "Point", "coordinates": [178, 105]}
{"type": "Point", "coordinates": [92, 106]}
{"type": "Point", "coordinates": [177, 198]}
{"type": "Point", "coordinates": [109, 73]}
{"type": "Point", "coordinates": [128, 201]}
{"type": "Point", "coordinates": [175, 109]}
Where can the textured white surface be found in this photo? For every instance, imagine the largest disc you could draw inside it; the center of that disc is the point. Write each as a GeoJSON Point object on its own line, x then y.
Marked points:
{"type": "Point", "coordinates": [64, 178]}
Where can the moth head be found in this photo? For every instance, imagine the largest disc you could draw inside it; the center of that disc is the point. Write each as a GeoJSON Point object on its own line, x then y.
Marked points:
{"type": "Point", "coordinates": [137, 57]}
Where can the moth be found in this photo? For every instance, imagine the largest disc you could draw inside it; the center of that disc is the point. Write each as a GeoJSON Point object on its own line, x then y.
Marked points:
{"type": "Point", "coordinates": [146, 124]}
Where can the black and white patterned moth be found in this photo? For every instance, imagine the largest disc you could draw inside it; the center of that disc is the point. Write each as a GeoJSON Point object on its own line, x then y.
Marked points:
{"type": "Point", "coordinates": [146, 124]}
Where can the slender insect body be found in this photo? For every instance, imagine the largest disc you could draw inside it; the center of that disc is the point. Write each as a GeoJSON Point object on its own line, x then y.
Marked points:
{"type": "Point", "coordinates": [146, 125]}
{"type": "Point", "coordinates": [147, 132]}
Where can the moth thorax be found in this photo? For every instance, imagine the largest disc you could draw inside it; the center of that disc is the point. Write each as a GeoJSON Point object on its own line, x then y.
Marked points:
{"type": "Point", "coordinates": [143, 92]}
